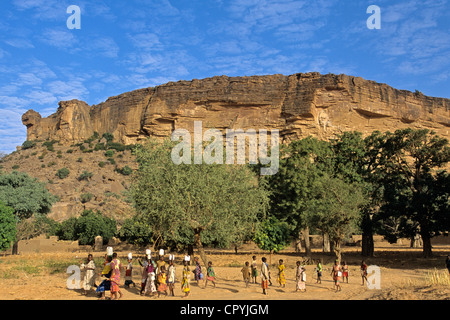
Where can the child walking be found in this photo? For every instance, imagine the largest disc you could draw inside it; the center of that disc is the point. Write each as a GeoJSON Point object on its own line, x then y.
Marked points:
{"type": "Point", "coordinates": [185, 287]}
{"type": "Point", "coordinates": [171, 276]}
{"type": "Point", "coordinates": [344, 272]}
{"type": "Point", "coordinates": [115, 277]}
{"type": "Point", "coordinates": [129, 274]}
{"type": "Point", "coordinates": [264, 276]}
{"type": "Point", "coordinates": [198, 275]}
{"type": "Point", "coordinates": [363, 272]}
{"type": "Point", "coordinates": [210, 275]}
{"type": "Point", "coordinates": [300, 278]}
{"type": "Point", "coordinates": [319, 272]}
{"type": "Point", "coordinates": [246, 273]}
{"type": "Point", "coordinates": [281, 274]}
{"type": "Point", "coordinates": [336, 273]}
{"type": "Point", "coordinates": [254, 269]}
{"type": "Point", "coordinates": [89, 276]}
{"type": "Point", "coordinates": [162, 285]}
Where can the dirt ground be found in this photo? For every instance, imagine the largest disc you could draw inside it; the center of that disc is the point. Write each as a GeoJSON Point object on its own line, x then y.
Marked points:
{"type": "Point", "coordinates": [404, 275]}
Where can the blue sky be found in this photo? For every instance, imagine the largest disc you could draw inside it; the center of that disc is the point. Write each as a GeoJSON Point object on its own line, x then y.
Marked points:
{"type": "Point", "coordinates": [126, 45]}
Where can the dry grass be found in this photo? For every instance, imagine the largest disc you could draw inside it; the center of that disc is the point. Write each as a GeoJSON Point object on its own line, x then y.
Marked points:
{"type": "Point", "coordinates": [438, 277]}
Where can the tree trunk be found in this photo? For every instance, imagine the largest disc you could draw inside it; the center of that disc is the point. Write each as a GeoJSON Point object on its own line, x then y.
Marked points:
{"type": "Point", "coordinates": [326, 243]}
{"type": "Point", "coordinates": [427, 252]}
{"type": "Point", "coordinates": [199, 245]}
{"type": "Point", "coordinates": [307, 243]}
{"type": "Point", "coordinates": [367, 247]}
{"type": "Point", "coordinates": [15, 247]}
{"type": "Point", "coordinates": [337, 249]}
{"type": "Point", "coordinates": [298, 243]}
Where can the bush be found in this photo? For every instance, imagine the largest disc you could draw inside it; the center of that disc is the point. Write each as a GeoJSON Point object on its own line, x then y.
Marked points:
{"type": "Point", "coordinates": [66, 230]}
{"type": "Point", "coordinates": [109, 153]}
{"type": "Point", "coordinates": [15, 167]}
{"type": "Point", "coordinates": [86, 197]}
{"type": "Point", "coordinates": [91, 224]}
{"type": "Point", "coordinates": [49, 145]}
{"type": "Point", "coordinates": [86, 175]}
{"type": "Point", "coordinates": [62, 173]}
{"type": "Point", "coordinates": [100, 146]}
{"type": "Point", "coordinates": [28, 144]}
{"type": "Point", "coordinates": [101, 164]}
{"type": "Point", "coordinates": [108, 136]}
{"type": "Point", "coordinates": [116, 146]}
{"type": "Point", "coordinates": [7, 226]}
{"type": "Point", "coordinates": [126, 171]}
{"type": "Point", "coordinates": [135, 232]}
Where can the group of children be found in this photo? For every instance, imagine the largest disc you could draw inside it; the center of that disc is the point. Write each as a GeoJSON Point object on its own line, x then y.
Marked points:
{"type": "Point", "coordinates": [250, 273]}
{"type": "Point", "coordinates": [338, 272]}
{"type": "Point", "coordinates": [157, 278]}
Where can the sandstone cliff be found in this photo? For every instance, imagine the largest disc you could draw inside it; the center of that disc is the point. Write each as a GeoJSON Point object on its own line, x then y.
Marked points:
{"type": "Point", "coordinates": [298, 105]}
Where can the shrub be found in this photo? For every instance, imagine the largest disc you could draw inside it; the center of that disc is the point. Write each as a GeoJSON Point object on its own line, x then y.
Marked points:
{"type": "Point", "coordinates": [66, 230]}
{"type": "Point", "coordinates": [86, 197]}
{"type": "Point", "coordinates": [91, 224]}
{"type": "Point", "coordinates": [62, 173]}
{"type": "Point", "coordinates": [100, 146]}
{"type": "Point", "coordinates": [80, 159]}
{"type": "Point", "coordinates": [49, 145]}
{"type": "Point", "coordinates": [86, 175]}
{"type": "Point", "coordinates": [109, 153]}
{"type": "Point", "coordinates": [136, 232]}
{"type": "Point", "coordinates": [116, 146]}
{"type": "Point", "coordinates": [108, 136]}
{"type": "Point", "coordinates": [101, 164]}
{"type": "Point", "coordinates": [7, 226]}
{"type": "Point", "coordinates": [28, 144]}
{"type": "Point", "coordinates": [15, 167]}
{"type": "Point", "coordinates": [126, 171]}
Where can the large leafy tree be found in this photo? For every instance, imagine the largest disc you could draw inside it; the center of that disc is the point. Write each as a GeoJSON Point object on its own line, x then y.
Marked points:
{"type": "Point", "coordinates": [7, 226]}
{"type": "Point", "coordinates": [26, 195]}
{"type": "Point", "coordinates": [203, 203]}
{"type": "Point", "coordinates": [414, 186]}
{"type": "Point", "coordinates": [301, 163]}
{"type": "Point", "coordinates": [334, 208]}
{"type": "Point", "coordinates": [357, 161]}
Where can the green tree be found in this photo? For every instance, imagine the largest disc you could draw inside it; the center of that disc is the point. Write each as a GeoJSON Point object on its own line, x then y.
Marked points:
{"type": "Point", "coordinates": [413, 188]}
{"type": "Point", "coordinates": [91, 224]}
{"type": "Point", "coordinates": [7, 226]}
{"type": "Point", "coordinates": [62, 173]}
{"type": "Point", "coordinates": [202, 202]}
{"type": "Point", "coordinates": [334, 209]}
{"type": "Point", "coordinates": [302, 161]}
{"type": "Point", "coordinates": [136, 231]}
{"type": "Point", "coordinates": [67, 229]}
{"type": "Point", "coordinates": [26, 195]}
{"type": "Point", "coordinates": [272, 235]}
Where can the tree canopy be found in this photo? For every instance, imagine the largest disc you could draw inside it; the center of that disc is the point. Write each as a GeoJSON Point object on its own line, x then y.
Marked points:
{"type": "Point", "coordinates": [198, 204]}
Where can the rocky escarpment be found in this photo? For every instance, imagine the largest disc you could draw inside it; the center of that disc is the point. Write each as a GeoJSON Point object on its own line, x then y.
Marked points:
{"type": "Point", "coordinates": [298, 105]}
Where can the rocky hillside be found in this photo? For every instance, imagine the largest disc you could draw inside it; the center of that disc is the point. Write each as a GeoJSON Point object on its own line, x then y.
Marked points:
{"type": "Point", "coordinates": [79, 175]}
{"type": "Point", "coordinates": [75, 136]}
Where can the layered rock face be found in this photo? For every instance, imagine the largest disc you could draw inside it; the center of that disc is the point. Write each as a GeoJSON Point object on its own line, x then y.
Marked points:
{"type": "Point", "coordinates": [298, 105]}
